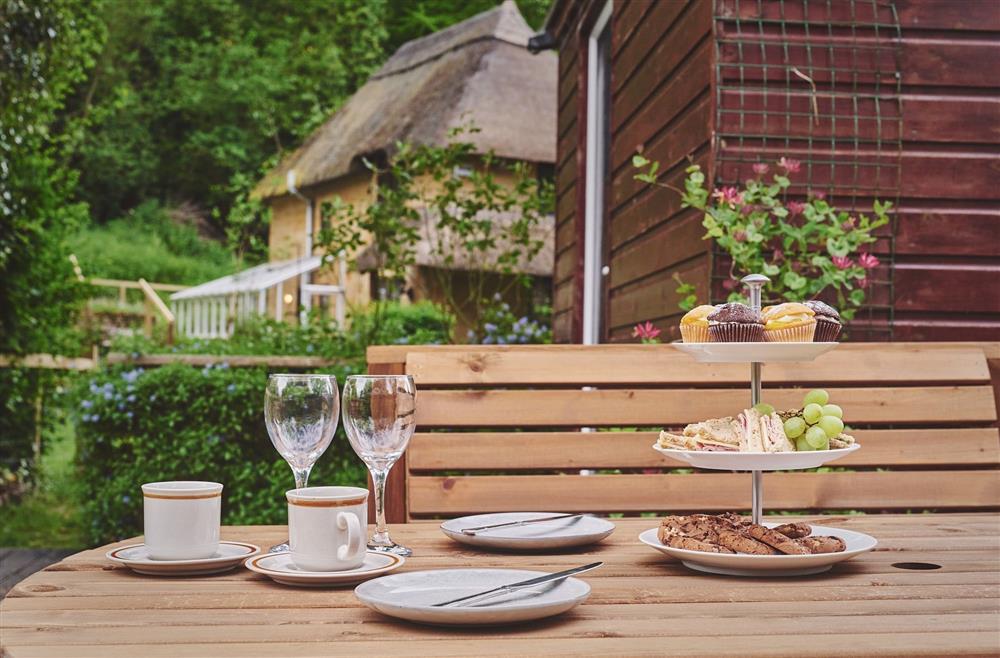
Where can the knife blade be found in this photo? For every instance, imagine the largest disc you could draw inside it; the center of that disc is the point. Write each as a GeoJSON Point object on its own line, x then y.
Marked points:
{"type": "Point", "coordinates": [510, 524]}
{"type": "Point", "coordinates": [523, 584]}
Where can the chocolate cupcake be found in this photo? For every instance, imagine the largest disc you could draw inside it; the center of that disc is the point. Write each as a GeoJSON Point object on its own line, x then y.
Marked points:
{"type": "Point", "coordinates": [828, 322]}
{"type": "Point", "coordinates": [735, 323]}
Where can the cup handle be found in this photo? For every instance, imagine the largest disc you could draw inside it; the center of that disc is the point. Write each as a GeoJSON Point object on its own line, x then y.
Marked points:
{"type": "Point", "coordinates": [355, 538]}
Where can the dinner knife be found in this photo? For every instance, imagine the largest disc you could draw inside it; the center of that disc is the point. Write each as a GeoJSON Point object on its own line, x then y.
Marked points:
{"type": "Point", "coordinates": [503, 589]}
{"type": "Point", "coordinates": [511, 524]}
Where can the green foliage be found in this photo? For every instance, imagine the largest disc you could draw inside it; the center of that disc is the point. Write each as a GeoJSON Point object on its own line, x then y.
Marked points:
{"type": "Point", "coordinates": [148, 243]}
{"type": "Point", "coordinates": [411, 19]}
{"type": "Point", "coordinates": [185, 422]}
{"type": "Point", "coordinates": [807, 248]}
{"type": "Point", "coordinates": [193, 101]}
{"type": "Point", "coordinates": [448, 196]}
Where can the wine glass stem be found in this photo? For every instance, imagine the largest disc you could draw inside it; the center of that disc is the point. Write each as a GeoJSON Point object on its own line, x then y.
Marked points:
{"type": "Point", "coordinates": [301, 476]}
{"type": "Point", "coordinates": [381, 535]}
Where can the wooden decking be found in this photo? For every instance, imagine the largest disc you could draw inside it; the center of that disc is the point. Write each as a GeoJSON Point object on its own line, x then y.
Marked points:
{"type": "Point", "coordinates": [16, 564]}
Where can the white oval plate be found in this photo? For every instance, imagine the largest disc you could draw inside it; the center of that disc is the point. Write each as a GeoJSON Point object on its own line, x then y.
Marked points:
{"type": "Point", "coordinates": [136, 557]}
{"type": "Point", "coordinates": [750, 352]}
{"type": "Point", "coordinates": [755, 461]}
{"type": "Point", "coordinates": [412, 596]}
{"type": "Point", "coordinates": [736, 564]}
{"type": "Point", "coordinates": [549, 535]}
{"type": "Point", "coordinates": [280, 568]}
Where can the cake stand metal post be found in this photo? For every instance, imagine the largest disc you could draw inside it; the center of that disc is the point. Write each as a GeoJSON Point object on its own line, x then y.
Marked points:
{"type": "Point", "coordinates": [754, 283]}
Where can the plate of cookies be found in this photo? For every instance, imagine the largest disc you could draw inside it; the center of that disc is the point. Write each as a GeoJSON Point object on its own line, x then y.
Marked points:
{"type": "Point", "coordinates": [732, 545]}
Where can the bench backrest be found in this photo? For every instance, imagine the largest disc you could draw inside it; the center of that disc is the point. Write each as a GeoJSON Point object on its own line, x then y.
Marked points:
{"type": "Point", "coordinates": [570, 428]}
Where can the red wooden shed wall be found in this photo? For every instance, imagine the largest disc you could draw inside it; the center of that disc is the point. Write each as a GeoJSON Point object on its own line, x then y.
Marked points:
{"type": "Point", "coordinates": [947, 252]}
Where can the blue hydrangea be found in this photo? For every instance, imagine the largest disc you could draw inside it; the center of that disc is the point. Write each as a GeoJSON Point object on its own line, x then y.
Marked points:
{"type": "Point", "coordinates": [231, 388]}
{"type": "Point", "coordinates": [224, 365]}
{"type": "Point", "coordinates": [85, 418]}
{"type": "Point", "coordinates": [490, 327]}
{"type": "Point", "coordinates": [487, 340]}
{"type": "Point", "coordinates": [129, 415]}
{"type": "Point", "coordinates": [152, 398]}
{"type": "Point", "coordinates": [86, 404]}
{"type": "Point", "coordinates": [501, 341]}
{"type": "Point", "coordinates": [470, 334]}
{"type": "Point", "coordinates": [95, 418]}
{"type": "Point", "coordinates": [131, 398]}
{"type": "Point", "coordinates": [108, 395]}
{"type": "Point", "coordinates": [126, 499]}
{"type": "Point", "coordinates": [309, 348]}
{"type": "Point", "coordinates": [121, 406]}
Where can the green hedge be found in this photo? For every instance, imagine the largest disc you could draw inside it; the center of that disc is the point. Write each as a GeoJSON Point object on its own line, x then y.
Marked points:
{"type": "Point", "coordinates": [185, 422]}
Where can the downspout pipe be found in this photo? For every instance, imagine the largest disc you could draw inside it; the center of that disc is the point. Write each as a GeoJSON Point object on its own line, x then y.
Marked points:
{"type": "Point", "coordinates": [304, 297]}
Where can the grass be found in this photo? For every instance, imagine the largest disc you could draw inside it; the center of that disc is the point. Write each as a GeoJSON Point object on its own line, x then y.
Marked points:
{"type": "Point", "coordinates": [51, 515]}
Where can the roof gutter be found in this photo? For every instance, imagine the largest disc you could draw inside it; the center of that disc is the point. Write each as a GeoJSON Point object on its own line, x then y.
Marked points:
{"type": "Point", "coordinates": [541, 41]}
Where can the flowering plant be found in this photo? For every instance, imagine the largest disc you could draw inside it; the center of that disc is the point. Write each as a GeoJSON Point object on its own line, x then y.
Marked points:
{"type": "Point", "coordinates": [806, 247]}
{"type": "Point", "coordinates": [502, 327]}
{"type": "Point", "coordinates": [646, 333]}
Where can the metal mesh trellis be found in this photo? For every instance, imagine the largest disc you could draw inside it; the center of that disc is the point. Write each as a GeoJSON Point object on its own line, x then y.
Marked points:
{"type": "Point", "coordinates": [817, 81]}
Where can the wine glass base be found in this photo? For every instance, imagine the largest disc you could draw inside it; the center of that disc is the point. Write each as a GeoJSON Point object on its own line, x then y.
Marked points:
{"type": "Point", "coordinates": [395, 549]}
{"type": "Point", "coordinates": [280, 548]}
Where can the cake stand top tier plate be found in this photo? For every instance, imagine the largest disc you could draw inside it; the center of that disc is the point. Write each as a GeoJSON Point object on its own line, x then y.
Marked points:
{"type": "Point", "coordinates": [753, 352]}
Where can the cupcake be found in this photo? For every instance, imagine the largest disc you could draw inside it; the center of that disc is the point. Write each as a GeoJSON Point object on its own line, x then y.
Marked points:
{"type": "Point", "coordinates": [789, 323]}
{"type": "Point", "coordinates": [694, 324]}
{"type": "Point", "coordinates": [735, 323]}
{"type": "Point", "coordinates": [828, 322]}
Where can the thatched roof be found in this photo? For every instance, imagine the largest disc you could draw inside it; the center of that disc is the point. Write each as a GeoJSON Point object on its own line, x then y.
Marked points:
{"type": "Point", "coordinates": [477, 71]}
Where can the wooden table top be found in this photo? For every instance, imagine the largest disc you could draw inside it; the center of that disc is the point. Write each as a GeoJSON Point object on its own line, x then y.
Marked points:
{"type": "Point", "coordinates": [641, 604]}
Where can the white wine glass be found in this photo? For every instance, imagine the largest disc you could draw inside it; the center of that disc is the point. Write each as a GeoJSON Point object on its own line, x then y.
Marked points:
{"type": "Point", "coordinates": [301, 413]}
{"type": "Point", "coordinates": [379, 417]}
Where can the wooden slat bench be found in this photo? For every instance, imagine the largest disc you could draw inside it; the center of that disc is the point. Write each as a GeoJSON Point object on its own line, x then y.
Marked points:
{"type": "Point", "coordinates": [511, 428]}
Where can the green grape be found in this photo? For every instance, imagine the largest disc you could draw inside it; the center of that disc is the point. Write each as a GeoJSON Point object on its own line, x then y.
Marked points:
{"type": "Point", "coordinates": [833, 410]}
{"type": "Point", "coordinates": [764, 408]}
{"type": "Point", "coordinates": [817, 438]}
{"type": "Point", "coordinates": [818, 396]}
{"type": "Point", "coordinates": [832, 425]}
{"type": "Point", "coordinates": [795, 427]}
{"type": "Point", "coordinates": [802, 445]}
{"type": "Point", "coordinates": [812, 413]}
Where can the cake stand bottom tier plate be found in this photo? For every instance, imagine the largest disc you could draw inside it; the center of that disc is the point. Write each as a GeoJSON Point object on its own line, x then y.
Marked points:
{"type": "Point", "coordinates": [765, 566]}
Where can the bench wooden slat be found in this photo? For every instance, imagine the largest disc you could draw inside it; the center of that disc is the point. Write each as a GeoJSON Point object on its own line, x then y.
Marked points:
{"type": "Point", "coordinates": [573, 450]}
{"type": "Point", "coordinates": [703, 492]}
{"type": "Point", "coordinates": [651, 407]}
{"type": "Point", "coordinates": [638, 364]}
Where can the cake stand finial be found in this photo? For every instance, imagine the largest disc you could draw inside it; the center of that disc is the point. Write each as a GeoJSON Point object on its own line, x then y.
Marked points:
{"type": "Point", "coordinates": [755, 282]}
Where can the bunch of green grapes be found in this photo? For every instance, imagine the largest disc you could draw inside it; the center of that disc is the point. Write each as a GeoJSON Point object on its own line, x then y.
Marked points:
{"type": "Point", "coordinates": [817, 423]}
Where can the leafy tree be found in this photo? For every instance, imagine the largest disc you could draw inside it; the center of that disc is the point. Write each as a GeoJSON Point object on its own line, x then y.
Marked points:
{"type": "Point", "coordinates": [411, 19]}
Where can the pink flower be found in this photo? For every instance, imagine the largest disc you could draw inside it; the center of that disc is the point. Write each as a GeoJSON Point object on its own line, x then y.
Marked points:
{"type": "Point", "coordinates": [863, 282]}
{"type": "Point", "coordinates": [820, 195]}
{"type": "Point", "coordinates": [842, 262]}
{"type": "Point", "coordinates": [789, 165]}
{"type": "Point", "coordinates": [778, 255]}
{"type": "Point", "coordinates": [645, 331]}
{"type": "Point", "coordinates": [849, 224]}
{"type": "Point", "coordinates": [760, 168]}
{"type": "Point", "coordinates": [729, 195]}
{"type": "Point", "coordinates": [868, 261]}
{"type": "Point", "coordinates": [740, 236]}
{"type": "Point", "coordinates": [729, 284]}
{"type": "Point", "coordinates": [795, 208]}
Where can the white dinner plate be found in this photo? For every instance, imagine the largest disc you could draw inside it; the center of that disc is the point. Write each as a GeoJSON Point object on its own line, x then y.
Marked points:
{"type": "Point", "coordinates": [737, 564]}
{"type": "Point", "coordinates": [412, 596]}
{"type": "Point", "coordinates": [756, 461]}
{"type": "Point", "coordinates": [136, 557]}
{"type": "Point", "coordinates": [548, 535]}
{"type": "Point", "coordinates": [749, 352]}
{"type": "Point", "coordinates": [280, 568]}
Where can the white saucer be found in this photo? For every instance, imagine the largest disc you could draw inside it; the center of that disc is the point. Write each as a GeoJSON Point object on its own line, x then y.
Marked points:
{"type": "Point", "coordinates": [750, 352]}
{"type": "Point", "coordinates": [724, 460]}
{"type": "Point", "coordinates": [737, 564]}
{"type": "Point", "coordinates": [549, 535]}
{"type": "Point", "coordinates": [280, 568]}
{"type": "Point", "coordinates": [136, 558]}
{"type": "Point", "coordinates": [412, 596]}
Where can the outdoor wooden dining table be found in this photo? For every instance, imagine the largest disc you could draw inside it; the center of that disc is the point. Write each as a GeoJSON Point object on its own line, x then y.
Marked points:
{"type": "Point", "coordinates": [641, 604]}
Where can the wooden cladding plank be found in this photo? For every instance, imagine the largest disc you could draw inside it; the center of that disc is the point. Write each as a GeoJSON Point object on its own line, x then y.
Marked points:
{"type": "Point", "coordinates": [662, 364]}
{"type": "Point", "coordinates": [635, 53]}
{"type": "Point", "coordinates": [565, 235]}
{"type": "Point", "coordinates": [689, 81]}
{"type": "Point", "coordinates": [562, 325]}
{"type": "Point", "coordinates": [657, 64]}
{"type": "Point", "coordinates": [944, 231]}
{"type": "Point", "coordinates": [703, 492]}
{"type": "Point", "coordinates": [957, 287]}
{"type": "Point", "coordinates": [656, 296]}
{"type": "Point", "coordinates": [970, 119]}
{"type": "Point", "coordinates": [652, 407]}
{"type": "Point", "coordinates": [565, 265]}
{"type": "Point", "coordinates": [494, 451]}
{"type": "Point", "coordinates": [967, 15]}
{"type": "Point", "coordinates": [626, 18]}
{"type": "Point", "coordinates": [673, 242]}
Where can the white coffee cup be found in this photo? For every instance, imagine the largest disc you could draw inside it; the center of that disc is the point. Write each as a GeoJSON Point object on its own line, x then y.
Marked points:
{"type": "Point", "coordinates": [181, 519]}
{"type": "Point", "coordinates": [327, 527]}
